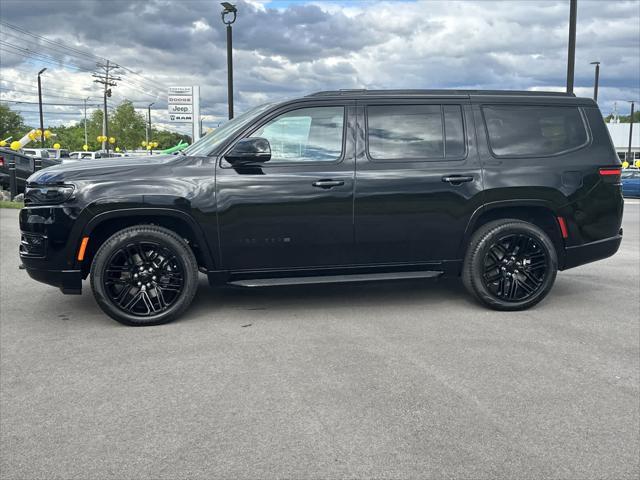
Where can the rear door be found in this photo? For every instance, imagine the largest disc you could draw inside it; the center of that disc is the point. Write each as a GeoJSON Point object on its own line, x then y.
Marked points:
{"type": "Point", "coordinates": [418, 180]}
{"type": "Point", "coordinates": [296, 210]}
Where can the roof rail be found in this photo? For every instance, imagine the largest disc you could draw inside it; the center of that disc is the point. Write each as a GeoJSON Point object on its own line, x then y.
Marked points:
{"type": "Point", "coordinates": [419, 92]}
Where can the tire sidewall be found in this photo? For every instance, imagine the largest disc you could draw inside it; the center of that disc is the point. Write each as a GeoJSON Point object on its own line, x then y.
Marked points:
{"type": "Point", "coordinates": [480, 251]}
{"type": "Point", "coordinates": [153, 234]}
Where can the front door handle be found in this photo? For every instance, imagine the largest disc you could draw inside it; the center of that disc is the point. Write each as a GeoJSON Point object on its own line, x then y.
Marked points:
{"type": "Point", "coordinates": [328, 183]}
{"type": "Point", "coordinates": [457, 179]}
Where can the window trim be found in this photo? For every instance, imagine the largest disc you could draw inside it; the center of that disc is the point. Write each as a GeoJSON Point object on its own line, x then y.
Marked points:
{"type": "Point", "coordinates": [281, 111]}
{"type": "Point", "coordinates": [585, 124]}
{"type": "Point", "coordinates": [419, 159]}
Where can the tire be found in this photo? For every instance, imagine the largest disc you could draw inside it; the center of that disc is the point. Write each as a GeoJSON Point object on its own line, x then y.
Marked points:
{"type": "Point", "coordinates": [492, 275]}
{"type": "Point", "coordinates": [123, 270]}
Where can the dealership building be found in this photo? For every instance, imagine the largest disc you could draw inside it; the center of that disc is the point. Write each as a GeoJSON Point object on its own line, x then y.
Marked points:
{"type": "Point", "coordinates": [620, 136]}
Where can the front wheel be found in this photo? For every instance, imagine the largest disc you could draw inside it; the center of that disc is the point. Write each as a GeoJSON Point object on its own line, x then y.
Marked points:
{"type": "Point", "coordinates": [144, 275]}
{"type": "Point", "coordinates": [510, 265]}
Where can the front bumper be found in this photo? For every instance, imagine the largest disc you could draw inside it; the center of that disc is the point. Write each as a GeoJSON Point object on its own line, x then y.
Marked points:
{"type": "Point", "coordinates": [49, 240]}
{"type": "Point", "coordinates": [68, 281]}
{"type": "Point", "coordinates": [590, 252]}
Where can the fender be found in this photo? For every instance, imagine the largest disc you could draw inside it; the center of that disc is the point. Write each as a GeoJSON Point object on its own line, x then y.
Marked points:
{"type": "Point", "coordinates": [492, 206]}
{"type": "Point", "coordinates": [99, 218]}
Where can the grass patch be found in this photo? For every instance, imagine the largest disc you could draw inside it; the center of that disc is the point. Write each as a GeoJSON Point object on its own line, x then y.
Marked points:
{"type": "Point", "coordinates": [5, 204]}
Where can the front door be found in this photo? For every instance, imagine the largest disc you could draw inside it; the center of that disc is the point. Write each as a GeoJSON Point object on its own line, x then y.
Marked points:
{"type": "Point", "coordinates": [418, 180]}
{"type": "Point", "coordinates": [296, 210]}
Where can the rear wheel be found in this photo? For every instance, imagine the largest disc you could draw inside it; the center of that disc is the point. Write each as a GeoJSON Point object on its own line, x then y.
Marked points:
{"type": "Point", "coordinates": [144, 275]}
{"type": "Point", "coordinates": [510, 265]}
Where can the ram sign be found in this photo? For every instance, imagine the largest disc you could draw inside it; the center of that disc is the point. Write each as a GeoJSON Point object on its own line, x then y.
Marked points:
{"type": "Point", "coordinates": [184, 107]}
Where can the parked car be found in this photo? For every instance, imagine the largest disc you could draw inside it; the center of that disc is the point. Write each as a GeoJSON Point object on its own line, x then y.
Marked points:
{"type": "Point", "coordinates": [86, 155]}
{"type": "Point", "coordinates": [501, 188]}
{"type": "Point", "coordinates": [58, 153]}
{"type": "Point", "coordinates": [36, 152]}
{"type": "Point", "coordinates": [24, 167]}
{"type": "Point", "coordinates": [631, 183]}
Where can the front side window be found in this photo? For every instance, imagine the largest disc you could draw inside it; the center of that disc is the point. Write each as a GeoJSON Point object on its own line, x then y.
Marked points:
{"type": "Point", "coordinates": [308, 134]}
{"type": "Point", "coordinates": [523, 130]}
{"type": "Point", "coordinates": [405, 132]}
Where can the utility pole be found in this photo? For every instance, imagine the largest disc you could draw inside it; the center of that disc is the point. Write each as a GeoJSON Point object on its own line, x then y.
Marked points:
{"type": "Point", "coordinates": [85, 121]}
{"type": "Point", "coordinates": [571, 57]}
{"type": "Point", "coordinates": [149, 124]}
{"type": "Point", "coordinates": [105, 77]}
{"type": "Point", "coordinates": [37, 164]}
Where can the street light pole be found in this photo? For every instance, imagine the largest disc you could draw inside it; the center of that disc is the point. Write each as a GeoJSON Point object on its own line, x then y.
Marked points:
{"type": "Point", "coordinates": [597, 80]}
{"type": "Point", "coordinates": [38, 161]}
{"type": "Point", "coordinates": [229, 10]}
{"type": "Point", "coordinates": [571, 57]}
{"type": "Point", "coordinates": [629, 157]}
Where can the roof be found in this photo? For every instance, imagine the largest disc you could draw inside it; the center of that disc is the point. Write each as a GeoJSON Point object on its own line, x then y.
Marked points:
{"type": "Point", "coordinates": [437, 93]}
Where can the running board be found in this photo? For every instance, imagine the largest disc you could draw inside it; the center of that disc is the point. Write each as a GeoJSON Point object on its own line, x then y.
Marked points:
{"type": "Point", "coordinates": [360, 277]}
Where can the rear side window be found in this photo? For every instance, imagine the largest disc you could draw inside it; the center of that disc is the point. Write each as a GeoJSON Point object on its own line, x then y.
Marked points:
{"type": "Point", "coordinates": [415, 132]}
{"type": "Point", "coordinates": [520, 130]}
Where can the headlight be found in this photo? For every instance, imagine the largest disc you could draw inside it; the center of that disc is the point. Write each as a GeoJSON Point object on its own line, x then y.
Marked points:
{"type": "Point", "coordinates": [47, 194]}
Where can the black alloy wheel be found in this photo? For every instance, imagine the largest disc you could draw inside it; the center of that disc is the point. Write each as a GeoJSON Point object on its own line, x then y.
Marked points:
{"type": "Point", "coordinates": [143, 278]}
{"type": "Point", "coordinates": [510, 264]}
{"type": "Point", "coordinates": [515, 267]}
{"type": "Point", "coordinates": [144, 275]}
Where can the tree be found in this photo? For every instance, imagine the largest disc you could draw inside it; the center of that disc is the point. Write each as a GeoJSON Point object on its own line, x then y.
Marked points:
{"type": "Point", "coordinates": [11, 123]}
{"type": "Point", "coordinates": [127, 126]}
{"type": "Point", "coordinates": [625, 118]}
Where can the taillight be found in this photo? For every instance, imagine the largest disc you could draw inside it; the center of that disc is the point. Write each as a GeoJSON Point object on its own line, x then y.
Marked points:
{"type": "Point", "coordinates": [611, 175]}
{"type": "Point", "coordinates": [606, 172]}
{"type": "Point", "coordinates": [1, 161]}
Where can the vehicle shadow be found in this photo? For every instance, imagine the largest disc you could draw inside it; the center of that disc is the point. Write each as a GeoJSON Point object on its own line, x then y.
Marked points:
{"type": "Point", "coordinates": [327, 296]}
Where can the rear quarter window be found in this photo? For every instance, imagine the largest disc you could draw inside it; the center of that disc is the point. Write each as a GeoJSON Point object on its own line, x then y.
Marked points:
{"type": "Point", "coordinates": [534, 131]}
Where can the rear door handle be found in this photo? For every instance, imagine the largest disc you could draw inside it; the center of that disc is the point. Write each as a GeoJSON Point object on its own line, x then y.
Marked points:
{"type": "Point", "coordinates": [328, 183]}
{"type": "Point", "coordinates": [457, 179]}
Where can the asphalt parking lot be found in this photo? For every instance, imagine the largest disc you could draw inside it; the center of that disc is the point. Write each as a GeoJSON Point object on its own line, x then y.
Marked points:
{"type": "Point", "coordinates": [391, 380]}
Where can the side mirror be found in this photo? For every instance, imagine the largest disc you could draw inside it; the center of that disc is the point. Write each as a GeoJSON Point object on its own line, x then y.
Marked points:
{"type": "Point", "coordinates": [248, 151]}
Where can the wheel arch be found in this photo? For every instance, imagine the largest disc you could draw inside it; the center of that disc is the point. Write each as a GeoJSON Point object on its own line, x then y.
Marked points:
{"type": "Point", "coordinates": [538, 212]}
{"type": "Point", "coordinates": [101, 226]}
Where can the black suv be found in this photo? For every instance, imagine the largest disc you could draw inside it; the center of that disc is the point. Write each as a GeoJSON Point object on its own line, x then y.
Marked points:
{"type": "Point", "coordinates": [500, 188]}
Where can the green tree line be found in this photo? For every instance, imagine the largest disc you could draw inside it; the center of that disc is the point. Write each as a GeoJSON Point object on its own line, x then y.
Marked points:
{"type": "Point", "coordinates": [125, 124]}
{"type": "Point", "coordinates": [624, 118]}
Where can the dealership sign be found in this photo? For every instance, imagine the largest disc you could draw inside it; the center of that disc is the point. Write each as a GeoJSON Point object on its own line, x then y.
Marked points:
{"type": "Point", "coordinates": [184, 107]}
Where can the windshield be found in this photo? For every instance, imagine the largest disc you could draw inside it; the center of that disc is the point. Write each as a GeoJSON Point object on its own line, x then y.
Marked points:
{"type": "Point", "coordinates": [210, 141]}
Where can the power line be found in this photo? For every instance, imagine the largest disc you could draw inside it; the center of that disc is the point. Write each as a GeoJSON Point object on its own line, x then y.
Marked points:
{"type": "Point", "coordinates": [49, 103]}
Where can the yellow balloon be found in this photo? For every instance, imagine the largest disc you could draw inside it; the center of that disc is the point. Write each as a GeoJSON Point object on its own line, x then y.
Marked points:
{"type": "Point", "coordinates": [144, 144]}
{"type": "Point", "coordinates": [155, 144]}
{"type": "Point", "coordinates": [112, 139]}
{"type": "Point", "coordinates": [85, 147]}
{"type": "Point", "coordinates": [117, 149]}
{"type": "Point", "coordinates": [31, 135]}
{"type": "Point", "coordinates": [149, 146]}
{"type": "Point", "coordinates": [638, 163]}
{"type": "Point", "coordinates": [47, 134]}
{"type": "Point", "coordinates": [56, 145]}
{"type": "Point", "coordinates": [3, 143]}
{"type": "Point", "coordinates": [15, 145]}
{"type": "Point", "coordinates": [38, 133]}
{"type": "Point", "coordinates": [625, 164]}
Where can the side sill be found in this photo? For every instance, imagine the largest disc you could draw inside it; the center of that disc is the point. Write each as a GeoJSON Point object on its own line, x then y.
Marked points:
{"type": "Point", "coordinates": [359, 277]}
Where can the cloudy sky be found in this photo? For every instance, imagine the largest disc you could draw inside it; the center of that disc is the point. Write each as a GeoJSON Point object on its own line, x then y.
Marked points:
{"type": "Point", "coordinates": [290, 48]}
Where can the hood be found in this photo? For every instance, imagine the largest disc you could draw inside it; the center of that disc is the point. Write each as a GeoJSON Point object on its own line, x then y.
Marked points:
{"type": "Point", "coordinates": [88, 169]}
